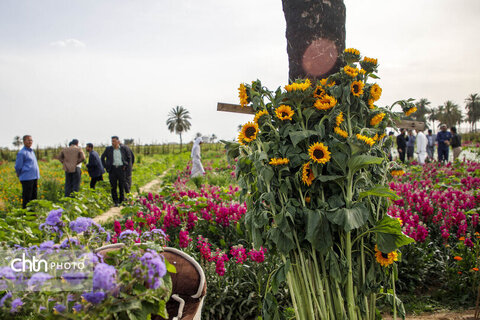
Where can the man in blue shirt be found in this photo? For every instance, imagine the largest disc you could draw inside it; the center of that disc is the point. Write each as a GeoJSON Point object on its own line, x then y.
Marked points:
{"type": "Point", "coordinates": [410, 145]}
{"type": "Point", "coordinates": [26, 167]}
{"type": "Point", "coordinates": [443, 139]}
{"type": "Point", "coordinates": [431, 144]}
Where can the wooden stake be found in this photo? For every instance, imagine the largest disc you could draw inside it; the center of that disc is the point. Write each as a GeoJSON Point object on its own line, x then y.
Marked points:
{"type": "Point", "coordinates": [235, 108]}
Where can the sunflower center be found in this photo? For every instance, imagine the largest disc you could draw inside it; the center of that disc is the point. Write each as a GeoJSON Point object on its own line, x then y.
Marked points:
{"type": "Point", "coordinates": [250, 132]}
{"type": "Point", "coordinates": [284, 114]}
{"type": "Point", "coordinates": [356, 88]}
{"type": "Point", "coordinates": [317, 153]}
{"type": "Point", "coordinates": [385, 255]}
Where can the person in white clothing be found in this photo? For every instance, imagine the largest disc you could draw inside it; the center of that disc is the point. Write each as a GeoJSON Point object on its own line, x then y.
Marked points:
{"type": "Point", "coordinates": [422, 142]}
{"type": "Point", "coordinates": [197, 168]}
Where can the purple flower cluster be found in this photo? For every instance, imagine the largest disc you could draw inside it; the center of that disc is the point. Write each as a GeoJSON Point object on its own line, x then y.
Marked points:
{"type": "Point", "coordinates": [156, 268]}
{"type": "Point", "coordinates": [104, 277]}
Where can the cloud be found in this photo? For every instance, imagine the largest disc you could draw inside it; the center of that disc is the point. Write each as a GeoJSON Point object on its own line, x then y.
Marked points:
{"type": "Point", "coordinates": [68, 43]}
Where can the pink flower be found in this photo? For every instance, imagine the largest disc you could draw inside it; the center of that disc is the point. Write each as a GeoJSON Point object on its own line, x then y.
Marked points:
{"type": "Point", "coordinates": [184, 239]}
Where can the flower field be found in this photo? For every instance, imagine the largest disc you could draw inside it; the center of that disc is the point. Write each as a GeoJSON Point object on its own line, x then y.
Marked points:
{"type": "Point", "coordinates": [437, 205]}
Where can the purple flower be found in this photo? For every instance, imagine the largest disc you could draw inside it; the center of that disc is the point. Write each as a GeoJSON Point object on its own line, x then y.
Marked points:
{"type": "Point", "coordinates": [17, 303]}
{"type": "Point", "coordinates": [67, 242]}
{"type": "Point", "coordinates": [81, 224]}
{"type": "Point", "coordinates": [8, 295]}
{"type": "Point", "coordinates": [77, 307]}
{"type": "Point", "coordinates": [6, 273]}
{"type": "Point", "coordinates": [47, 245]}
{"type": "Point", "coordinates": [128, 234]}
{"type": "Point", "coordinates": [91, 258]}
{"type": "Point", "coordinates": [38, 279]}
{"type": "Point", "coordinates": [59, 308]}
{"type": "Point", "coordinates": [156, 268]}
{"type": "Point", "coordinates": [104, 277]}
{"type": "Point", "coordinates": [54, 217]}
{"type": "Point", "coordinates": [94, 297]}
{"type": "Point", "coordinates": [74, 278]}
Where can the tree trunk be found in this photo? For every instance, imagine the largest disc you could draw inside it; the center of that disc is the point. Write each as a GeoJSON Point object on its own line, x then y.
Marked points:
{"type": "Point", "coordinates": [315, 37]}
{"type": "Point", "coordinates": [180, 142]}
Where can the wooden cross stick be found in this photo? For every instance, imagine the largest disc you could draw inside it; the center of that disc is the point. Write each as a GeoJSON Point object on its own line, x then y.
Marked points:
{"type": "Point", "coordinates": [408, 124]}
{"type": "Point", "coordinates": [236, 108]}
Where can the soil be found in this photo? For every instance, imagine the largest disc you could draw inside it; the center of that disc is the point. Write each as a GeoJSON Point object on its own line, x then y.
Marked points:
{"type": "Point", "coordinates": [441, 315]}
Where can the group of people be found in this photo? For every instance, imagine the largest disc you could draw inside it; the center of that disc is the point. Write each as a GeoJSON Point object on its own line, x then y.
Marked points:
{"type": "Point", "coordinates": [117, 160]}
{"type": "Point", "coordinates": [425, 144]}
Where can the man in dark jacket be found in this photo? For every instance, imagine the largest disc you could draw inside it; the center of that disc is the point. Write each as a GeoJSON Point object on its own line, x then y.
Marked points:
{"type": "Point", "coordinates": [456, 143]}
{"type": "Point", "coordinates": [94, 166]}
{"type": "Point", "coordinates": [401, 145]}
{"type": "Point", "coordinates": [443, 139]}
{"type": "Point", "coordinates": [128, 172]}
{"type": "Point", "coordinates": [115, 160]}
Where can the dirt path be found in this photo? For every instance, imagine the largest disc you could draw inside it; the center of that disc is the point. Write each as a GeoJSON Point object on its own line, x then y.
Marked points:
{"type": "Point", "coordinates": [116, 211]}
{"type": "Point", "coordinates": [441, 315]}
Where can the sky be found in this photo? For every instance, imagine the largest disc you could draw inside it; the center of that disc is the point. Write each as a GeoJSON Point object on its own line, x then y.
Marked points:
{"type": "Point", "coordinates": [90, 69]}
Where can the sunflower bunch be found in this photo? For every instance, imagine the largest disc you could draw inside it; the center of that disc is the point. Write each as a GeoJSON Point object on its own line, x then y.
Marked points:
{"type": "Point", "coordinates": [313, 168]}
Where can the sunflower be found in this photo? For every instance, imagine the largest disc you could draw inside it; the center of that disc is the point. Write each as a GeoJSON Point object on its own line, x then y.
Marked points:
{"type": "Point", "coordinates": [278, 161]}
{"type": "Point", "coordinates": [366, 139]}
{"type": "Point", "coordinates": [319, 153]}
{"type": "Point", "coordinates": [375, 92]}
{"type": "Point", "coordinates": [410, 111]}
{"type": "Point", "coordinates": [325, 82]}
{"type": "Point", "coordinates": [326, 102]}
{"type": "Point", "coordinates": [385, 259]}
{"type": "Point", "coordinates": [242, 94]}
{"type": "Point", "coordinates": [352, 72]}
{"type": "Point", "coordinates": [284, 112]}
{"type": "Point", "coordinates": [357, 88]}
{"type": "Point", "coordinates": [298, 86]}
{"type": "Point", "coordinates": [339, 119]}
{"type": "Point", "coordinates": [308, 199]}
{"type": "Point", "coordinates": [397, 172]}
{"type": "Point", "coordinates": [318, 92]}
{"type": "Point", "coordinates": [377, 119]}
{"type": "Point", "coordinates": [351, 55]}
{"type": "Point", "coordinates": [341, 132]}
{"type": "Point", "coordinates": [259, 114]}
{"type": "Point", "coordinates": [381, 137]}
{"type": "Point", "coordinates": [458, 258]}
{"type": "Point", "coordinates": [248, 133]}
{"type": "Point", "coordinates": [369, 64]}
{"type": "Point", "coordinates": [370, 103]}
{"type": "Point", "coordinates": [307, 174]}
{"type": "Point", "coordinates": [400, 221]}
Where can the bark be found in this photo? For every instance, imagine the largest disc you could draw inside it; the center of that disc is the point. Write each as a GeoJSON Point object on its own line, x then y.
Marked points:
{"type": "Point", "coordinates": [315, 37]}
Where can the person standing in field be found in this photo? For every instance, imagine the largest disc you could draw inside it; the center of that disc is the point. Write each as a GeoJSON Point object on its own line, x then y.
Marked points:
{"type": "Point", "coordinates": [456, 143]}
{"type": "Point", "coordinates": [71, 157]}
{"type": "Point", "coordinates": [128, 172]}
{"type": "Point", "coordinates": [431, 144]}
{"type": "Point", "coordinates": [422, 142]}
{"type": "Point", "coordinates": [410, 145]}
{"type": "Point", "coordinates": [26, 167]}
{"type": "Point", "coordinates": [443, 139]}
{"type": "Point", "coordinates": [197, 168]}
{"type": "Point", "coordinates": [401, 145]}
{"type": "Point", "coordinates": [94, 166]}
{"type": "Point", "coordinates": [116, 159]}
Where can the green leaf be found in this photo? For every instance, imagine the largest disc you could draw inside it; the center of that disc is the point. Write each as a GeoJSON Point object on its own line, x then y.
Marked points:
{"type": "Point", "coordinates": [327, 178]}
{"type": "Point", "coordinates": [379, 191]}
{"type": "Point", "coordinates": [362, 161]}
{"type": "Point", "coordinates": [389, 234]}
{"type": "Point", "coordinates": [318, 230]}
{"type": "Point", "coordinates": [124, 306]}
{"type": "Point", "coordinates": [170, 267]}
{"type": "Point", "coordinates": [349, 218]}
{"type": "Point", "coordinates": [283, 241]}
{"type": "Point", "coordinates": [297, 136]}
{"type": "Point", "coordinates": [279, 276]}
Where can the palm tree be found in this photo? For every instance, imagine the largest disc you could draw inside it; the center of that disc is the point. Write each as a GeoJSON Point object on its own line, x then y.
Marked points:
{"type": "Point", "coordinates": [450, 114]}
{"type": "Point", "coordinates": [473, 109]}
{"type": "Point", "coordinates": [422, 110]}
{"type": "Point", "coordinates": [178, 121]}
{"type": "Point", "coordinates": [432, 116]}
{"type": "Point", "coordinates": [17, 141]}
